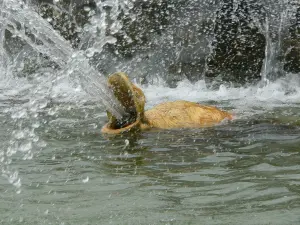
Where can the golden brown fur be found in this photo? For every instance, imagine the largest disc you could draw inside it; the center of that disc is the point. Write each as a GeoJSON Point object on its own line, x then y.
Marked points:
{"type": "Point", "coordinates": [184, 114]}
{"type": "Point", "coordinates": [168, 115]}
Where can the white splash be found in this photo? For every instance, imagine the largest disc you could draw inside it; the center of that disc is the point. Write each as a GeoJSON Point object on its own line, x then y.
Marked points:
{"type": "Point", "coordinates": [275, 94]}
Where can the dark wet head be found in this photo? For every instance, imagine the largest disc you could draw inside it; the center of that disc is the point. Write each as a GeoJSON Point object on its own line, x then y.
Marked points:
{"type": "Point", "coordinates": [130, 96]}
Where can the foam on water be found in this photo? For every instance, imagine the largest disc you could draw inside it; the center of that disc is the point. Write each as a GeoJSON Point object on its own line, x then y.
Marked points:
{"type": "Point", "coordinates": [282, 92]}
{"type": "Point", "coordinates": [242, 100]}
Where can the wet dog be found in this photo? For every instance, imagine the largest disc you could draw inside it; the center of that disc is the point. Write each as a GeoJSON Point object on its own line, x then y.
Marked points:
{"type": "Point", "coordinates": [167, 115]}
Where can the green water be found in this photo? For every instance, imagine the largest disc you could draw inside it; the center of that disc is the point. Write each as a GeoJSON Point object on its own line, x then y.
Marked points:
{"type": "Point", "coordinates": [242, 172]}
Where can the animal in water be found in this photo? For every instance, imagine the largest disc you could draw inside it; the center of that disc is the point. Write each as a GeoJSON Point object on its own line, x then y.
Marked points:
{"type": "Point", "coordinates": [167, 115]}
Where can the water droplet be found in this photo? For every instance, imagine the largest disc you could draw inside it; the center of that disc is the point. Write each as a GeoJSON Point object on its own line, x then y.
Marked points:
{"type": "Point", "coordinates": [42, 144]}
{"type": "Point", "coordinates": [35, 139]}
{"type": "Point", "coordinates": [86, 8]}
{"type": "Point", "coordinates": [36, 125]}
{"type": "Point", "coordinates": [52, 111]}
{"type": "Point", "coordinates": [86, 180]}
{"type": "Point", "coordinates": [25, 147]}
{"type": "Point", "coordinates": [43, 104]}
{"type": "Point", "coordinates": [18, 134]}
{"type": "Point", "coordinates": [126, 143]}
{"type": "Point", "coordinates": [28, 156]}
{"type": "Point", "coordinates": [17, 183]}
{"type": "Point", "coordinates": [20, 114]}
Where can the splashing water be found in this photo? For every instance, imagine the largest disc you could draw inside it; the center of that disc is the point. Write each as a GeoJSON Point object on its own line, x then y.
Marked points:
{"type": "Point", "coordinates": [50, 43]}
{"type": "Point", "coordinates": [17, 18]}
{"type": "Point", "coordinates": [21, 21]}
{"type": "Point", "coordinates": [68, 174]}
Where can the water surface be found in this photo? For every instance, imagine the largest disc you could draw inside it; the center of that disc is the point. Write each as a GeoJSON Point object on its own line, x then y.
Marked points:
{"type": "Point", "coordinates": [240, 172]}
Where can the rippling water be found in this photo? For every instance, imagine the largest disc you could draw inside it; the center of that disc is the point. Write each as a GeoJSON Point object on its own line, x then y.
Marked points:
{"type": "Point", "coordinates": [57, 168]}
{"type": "Point", "coordinates": [240, 172]}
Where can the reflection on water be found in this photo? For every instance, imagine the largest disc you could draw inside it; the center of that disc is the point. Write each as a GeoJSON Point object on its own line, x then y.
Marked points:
{"type": "Point", "coordinates": [241, 172]}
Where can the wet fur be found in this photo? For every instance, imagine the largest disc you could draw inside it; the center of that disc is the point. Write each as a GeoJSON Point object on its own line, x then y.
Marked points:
{"type": "Point", "coordinates": [168, 115]}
